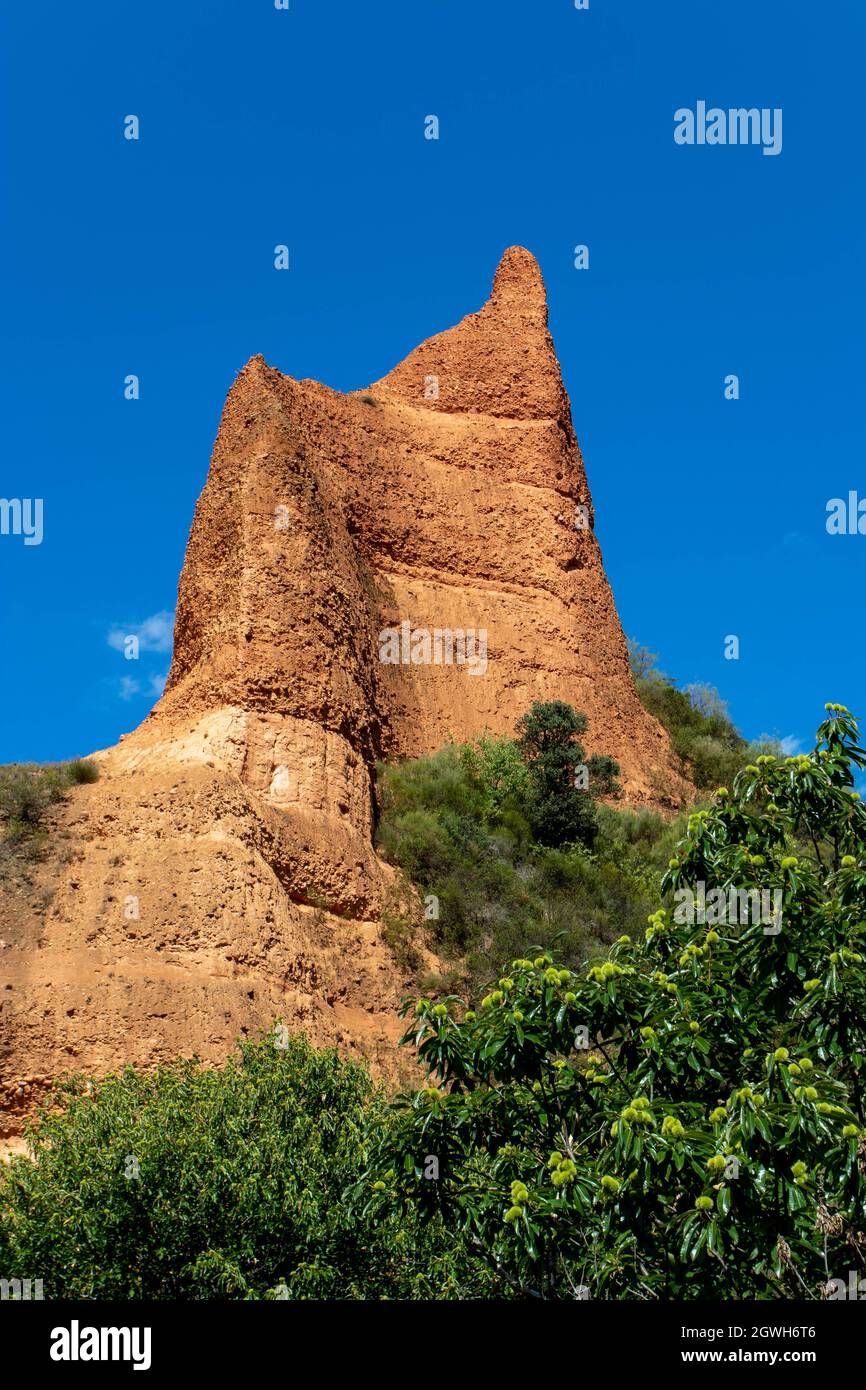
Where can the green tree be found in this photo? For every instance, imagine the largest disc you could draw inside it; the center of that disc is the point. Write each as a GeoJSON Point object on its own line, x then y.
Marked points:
{"type": "Point", "coordinates": [642, 661]}
{"type": "Point", "coordinates": [194, 1183]}
{"type": "Point", "coordinates": [684, 1118]}
{"type": "Point", "coordinates": [561, 805]}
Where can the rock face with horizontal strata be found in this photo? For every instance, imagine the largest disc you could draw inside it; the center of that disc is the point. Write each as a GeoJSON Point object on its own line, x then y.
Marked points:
{"type": "Point", "coordinates": [239, 817]}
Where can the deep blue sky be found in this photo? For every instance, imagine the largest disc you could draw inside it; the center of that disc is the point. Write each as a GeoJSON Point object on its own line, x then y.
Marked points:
{"type": "Point", "coordinates": [260, 127]}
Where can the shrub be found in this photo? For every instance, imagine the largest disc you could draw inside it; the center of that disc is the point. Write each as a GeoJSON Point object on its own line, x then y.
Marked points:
{"type": "Point", "coordinates": [27, 790]}
{"type": "Point", "coordinates": [25, 794]}
{"type": "Point", "coordinates": [685, 1118]}
{"type": "Point", "coordinates": [499, 775]}
{"type": "Point", "coordinates": [82, 771]}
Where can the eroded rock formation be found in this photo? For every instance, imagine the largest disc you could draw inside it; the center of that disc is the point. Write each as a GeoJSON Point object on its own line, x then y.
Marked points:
{"type": "Point", "coordinates": [221, 873]}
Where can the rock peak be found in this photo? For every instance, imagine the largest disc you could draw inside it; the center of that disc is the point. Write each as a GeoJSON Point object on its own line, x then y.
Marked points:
{"type": "Point", "coordinates": [499, 361]}
{"type": "Point", "coordinates": [518, 283]}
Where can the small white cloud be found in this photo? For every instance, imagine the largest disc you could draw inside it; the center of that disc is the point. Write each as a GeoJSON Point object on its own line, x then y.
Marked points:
{"type": "Point", "coordinates": [155, 634]}
{"type": "Point", "coordinates": [128, 687]}
{"type": "Point", "coordinates": [790, 745]}
{"type": "Point", "coordinates": [157, 683]}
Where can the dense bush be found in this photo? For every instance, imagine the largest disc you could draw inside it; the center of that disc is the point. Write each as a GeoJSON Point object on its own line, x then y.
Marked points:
{"type": "Point", "coordinates": [196, 1183]}
{"type": "Point", "coordinates": [685, 1118]}
{"type": "Point", "coordinates": [462, 825]}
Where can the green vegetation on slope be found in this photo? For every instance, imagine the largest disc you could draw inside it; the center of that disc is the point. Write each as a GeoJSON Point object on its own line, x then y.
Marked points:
{"type": "Point", "coordinates": [508, 843]}
{"type": "Point", "coordinates": [702, 735]}
{"type": "Point", "coordinates": [28, 789]}
{"type": "Point", "coordinates": [515, 840]}
{"type": "Point", "coordinates": [685, 1118]}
